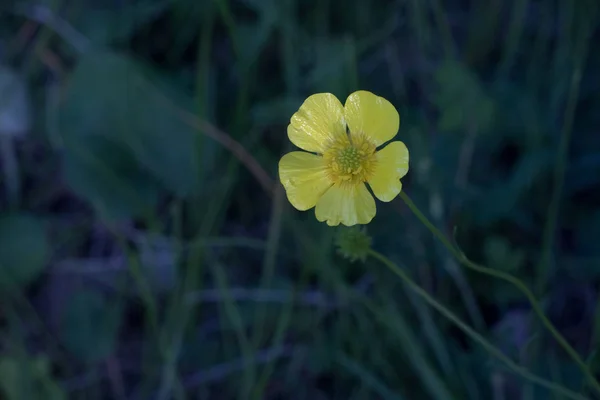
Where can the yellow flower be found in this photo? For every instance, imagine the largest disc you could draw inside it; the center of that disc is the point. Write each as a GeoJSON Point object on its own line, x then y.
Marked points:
{"type": "Point", "coordinates": [345, 140]}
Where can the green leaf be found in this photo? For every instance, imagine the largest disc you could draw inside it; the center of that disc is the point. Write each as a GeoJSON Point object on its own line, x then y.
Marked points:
{"type": "Point", "coordinates": [522, 116]}
{"type": "Point", "coordinates": [90, 325]}
{"type": "Point", "coordinates": [277, 111]}
{"type": "Point", "coordinates": [461, 99]}
{"type": "Point", "coordinates": [332, 68]}
{"type": "Point", "coordinates": [500, 255]}
{"type": "Point", "coordinates": [266, 9]}
{"type": "Point", "coordinates": [103, 23]}
{"type": "Point", "coordinates": [24, 250]}
{"type": "Point", "coordinates": [12, 375]}
{"type": "Point", "coordinates": [500, 200]}
{"type": "Point", "coordinates": [107, 175]}
{"type": "Point", "coordinates": [109, 97]}
{"type": "Point", "coordinates": [28, 379]}
{"type": "Point", "coordinates": [253, 38]}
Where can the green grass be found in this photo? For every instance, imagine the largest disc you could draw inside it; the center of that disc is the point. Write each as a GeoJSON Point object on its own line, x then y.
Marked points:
{"type": "Point", "coordinates": [148, 252]}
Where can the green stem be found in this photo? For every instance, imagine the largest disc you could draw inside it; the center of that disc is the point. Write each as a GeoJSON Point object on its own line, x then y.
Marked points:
{"type": "Point", "coordinates": [559, 178]}
{"type": "Point", "coordinates": [471, 332]}
{"type": "Point", "coordinates": [462, 258]}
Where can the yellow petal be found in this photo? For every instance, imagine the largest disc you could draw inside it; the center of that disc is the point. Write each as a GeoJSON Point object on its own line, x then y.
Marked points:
{"type": "Point", "coordinates": [304, 177]}
{"type": "Point", "coordinates": [391, 165]}
{"type": "Point", "coordinates": [318, 122]}
{"type": "Point", "coordinates": [372, 116]}
{"type": "Point", "coordinates": [346, 204]}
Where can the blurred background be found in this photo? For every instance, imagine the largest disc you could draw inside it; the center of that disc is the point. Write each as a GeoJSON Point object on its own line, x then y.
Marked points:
{"type": "Point", "coordinates": [147, 250]}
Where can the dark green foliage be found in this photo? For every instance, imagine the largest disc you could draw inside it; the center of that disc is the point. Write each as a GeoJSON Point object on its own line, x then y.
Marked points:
{"type": "Point", "coordinates": [186, 280]}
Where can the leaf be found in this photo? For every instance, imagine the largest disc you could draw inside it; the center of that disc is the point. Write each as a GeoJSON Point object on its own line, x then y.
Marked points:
{"type": "Point", "coordinates": [15, 113]}
{"type": "Point", "coordinates": [48, 388]}
{"type": "Point", "coordinates": [331, 69]}
{"type": "Point", "coordinates": [103, 23]}
{"type": "Point", "coordinates": [521, 116]}
{"type": "Point", "coordinates": [253, 38]}
{"type": "Point", "coordinates": [24, 250]}
{"type": "Point", "coordinates": [277, 111]}
{"type": "Point", "coordinates": [10, 370]}
{"type": "Point", "coordinates": [500, 200]}
{"type": "Point", "coordinates": [108, 97]}
{"type": "Point", "coordinates": [266, 9]}
{"type": "Point", "coordinates": [90, 325]}
{"type": "Point", "coordinates": [462, 99]}
{"type": "Point", "coordinates": [500, 255]}
{"type": "Point", "coordinates": [28, 378]}
{"type": "Point", "coordinates": [107, 175]}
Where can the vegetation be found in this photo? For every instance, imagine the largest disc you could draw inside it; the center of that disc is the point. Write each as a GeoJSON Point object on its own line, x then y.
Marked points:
{"type": "Point", "coordinates": [148, 251]}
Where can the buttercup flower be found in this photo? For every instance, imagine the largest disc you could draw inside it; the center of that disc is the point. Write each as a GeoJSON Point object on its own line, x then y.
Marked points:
{"type": "Point", "coordinates": [341, 156]}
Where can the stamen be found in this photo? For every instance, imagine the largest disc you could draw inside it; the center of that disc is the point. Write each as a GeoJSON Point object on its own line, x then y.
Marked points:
{"type": "Point", "coordinates": [351, 161]}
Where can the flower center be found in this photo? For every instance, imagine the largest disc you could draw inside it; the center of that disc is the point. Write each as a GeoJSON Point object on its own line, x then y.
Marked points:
{"type": "Point", "coordinates": [350, 161]}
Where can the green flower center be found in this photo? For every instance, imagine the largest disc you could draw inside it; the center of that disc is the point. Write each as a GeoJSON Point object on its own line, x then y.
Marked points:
{"type": "Point", "coordinates": [349, 160]}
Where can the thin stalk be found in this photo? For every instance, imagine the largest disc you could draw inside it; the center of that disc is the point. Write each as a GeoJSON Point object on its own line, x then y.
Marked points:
{"type": "Point", "coordinates": [490, 348]}
{"type": "Point", "coordinates": [462, 258]}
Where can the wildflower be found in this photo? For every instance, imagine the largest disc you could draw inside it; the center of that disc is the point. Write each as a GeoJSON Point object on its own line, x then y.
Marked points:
{"type": "Point", "coordinates": [343, 142]}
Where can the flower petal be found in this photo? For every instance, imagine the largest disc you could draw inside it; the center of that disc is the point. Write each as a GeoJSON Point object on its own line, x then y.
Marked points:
{"type": "Point", "coordinates": [391, 165]}
{"type": "Point", "coordinates": [319, 121]}
{"type": "Point", "coordinates": [304, 177]}
{"type": "Point", "coordinates": [372, 116]}
{"type": "Point", "coordinates": [346, 204]}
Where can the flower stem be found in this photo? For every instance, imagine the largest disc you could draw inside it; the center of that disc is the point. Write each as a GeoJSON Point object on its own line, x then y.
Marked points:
{"type": "Point", "coordinates": [462, 258]}
{"type": "Point", "coordinates": [471, 332]}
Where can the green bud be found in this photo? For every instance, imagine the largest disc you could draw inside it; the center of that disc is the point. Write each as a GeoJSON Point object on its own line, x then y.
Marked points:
{"type": "Point", "coordinates": [353, 243]}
